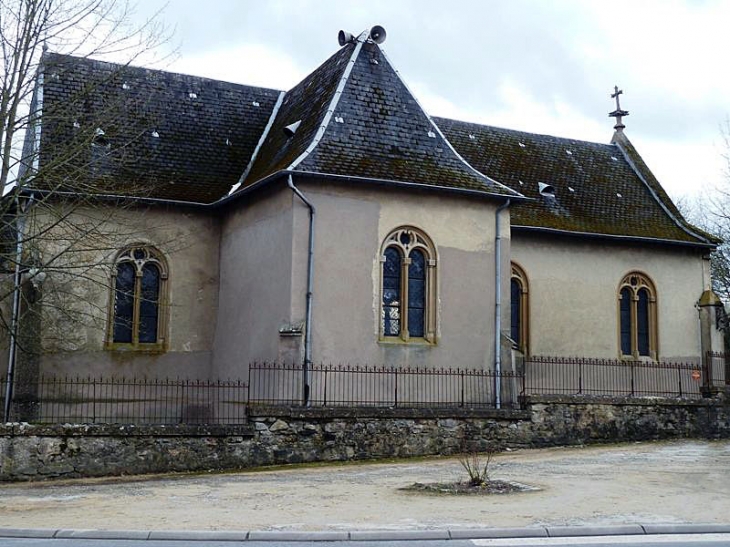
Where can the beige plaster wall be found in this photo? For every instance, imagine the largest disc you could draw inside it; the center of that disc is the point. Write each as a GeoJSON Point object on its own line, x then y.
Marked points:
{"type": "Point", "coordinates": [75, 344]}
{"type": "Point", "coordinates": [255, 289]}
{"type": "Point", "coordinates": [352, 222]}
{"type": "Point", "coordinates": [573, 294]}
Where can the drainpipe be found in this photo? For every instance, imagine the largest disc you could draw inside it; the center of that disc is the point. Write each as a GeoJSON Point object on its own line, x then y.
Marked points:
{"type": "Point", "coordinates": [310, 281]}
{"type": "Point", "coordinates": [498, 305]}
{"type": "Point", "coordinates": [19, 229]}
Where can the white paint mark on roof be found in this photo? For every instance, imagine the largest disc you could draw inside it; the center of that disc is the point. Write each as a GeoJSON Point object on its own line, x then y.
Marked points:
{"type": "Point", "coordinates": [339, 119]}
{"type": "Point", "coordinates": [155, 134]}
{"type": "Point", "coordinates": [99, 132]}
{"type": "Point", "coordinates": [521, 183]}
{"type": "Point", "coordinates": [569, 152]}
{"type": "Point", "coordinates": [193, 95]}
{"type": "Point", "coordinates": [374, 62]}
{"type": "Point", "coordinates": [432, 134]}
{"type": "Point", "coordinates": [521, 145]}
{"type": "Point", "coordinates": [228, 142]}
{"type": "Point", "coordinates": [618, 195]}
{"type": "Point", "coordinates": [471, 137]}
{"type": "Point", "coordinates": [571, 188]}
{"type": "Point", "coordinates": [77, 125]}
{"type": "Point", "coordinates": [256, 103]}
{"type": "Point", "coordinates": [614, 158]}
{"type": "Point", "coordinates": [125, 86]}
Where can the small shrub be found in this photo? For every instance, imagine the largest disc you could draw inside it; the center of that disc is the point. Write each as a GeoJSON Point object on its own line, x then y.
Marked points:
{"type": "Point", "coordinates": [476, 466]}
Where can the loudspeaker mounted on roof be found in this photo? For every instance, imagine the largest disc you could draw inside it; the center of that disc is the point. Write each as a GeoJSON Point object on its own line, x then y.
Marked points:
{"type": "Point", "coordinates": [344, 37]}
{"type": "Point", "coordinates": [378, 34]}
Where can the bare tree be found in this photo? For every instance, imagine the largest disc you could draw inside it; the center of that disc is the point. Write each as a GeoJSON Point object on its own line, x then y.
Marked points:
{"type": "Point", "coordinates": [56, 161]}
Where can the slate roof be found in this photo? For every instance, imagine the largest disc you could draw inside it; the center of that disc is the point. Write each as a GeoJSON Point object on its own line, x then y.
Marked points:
{"type": "Point", "coordinates": [597, 190]}
{"type": "Point", "coordinates": [186, 138]}
{"type": "Point", "coordinates": [373, 129]}
{"type": "Point", "coordinates": [166, 135]}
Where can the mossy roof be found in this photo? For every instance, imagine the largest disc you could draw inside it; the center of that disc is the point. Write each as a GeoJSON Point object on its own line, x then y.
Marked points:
{"type": "Point", "coordinates": [363, 123]}
{"type": "Point", "coordinates": [190, 139]}
{"type": "Point", "coordinates": [166, 135]}
{"type": "Point", "coordinates": [598, 188]}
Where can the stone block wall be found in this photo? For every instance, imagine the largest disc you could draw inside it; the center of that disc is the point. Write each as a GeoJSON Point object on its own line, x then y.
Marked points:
{"type": "Point", "coordinates": [278, 435]}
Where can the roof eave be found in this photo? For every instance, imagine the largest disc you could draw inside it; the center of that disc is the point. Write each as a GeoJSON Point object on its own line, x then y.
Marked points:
{"type": "Point", "coordinates": [614, 237]}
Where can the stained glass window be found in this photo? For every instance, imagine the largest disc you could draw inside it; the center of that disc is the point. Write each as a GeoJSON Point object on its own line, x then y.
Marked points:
{"type": "Point", "coordinates": [137, 298]}
{"type": "Point", "coordinates": [515, 311]}
{"type": "Point", "coordinates": [408, 289]}
{"type": "Point", "coordinates": [416, 293]}
{"type": "Point", "coordinates": [625, 318]}
{"type": "Point", "coordinates": [124, 302]}
{"type": "Point", "coordinates": [390, 314]}
{"type": "Point", "coordinates": [637, 316]}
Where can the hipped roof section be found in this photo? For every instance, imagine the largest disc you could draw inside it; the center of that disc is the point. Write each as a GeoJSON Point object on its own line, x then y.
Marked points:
{"type": "Point", "coordinates": [165, 135]}
{"type": "Point", "coordinates": [363, 123]}
{"type": "Point", "coordinates": [586, 187]}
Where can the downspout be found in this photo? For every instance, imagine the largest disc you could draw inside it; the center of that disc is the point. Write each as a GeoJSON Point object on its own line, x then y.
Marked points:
{"type": "Point", "coordinates": [19, 229]}
{"type": "Point", "coordinates": [498, 306]}
{"type": "Point", "coordinates": [310, 282]}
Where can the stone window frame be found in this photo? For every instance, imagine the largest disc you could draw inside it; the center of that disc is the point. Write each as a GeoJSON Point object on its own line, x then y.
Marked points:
{"type": "Point", "coordinates": [636, 281]}
{"type": "Point", "coordinates": [405, 239]}
{"type": "Point", "coordinates": [150, 254]}
{"type": "Point", "coordinates": [519, 276]}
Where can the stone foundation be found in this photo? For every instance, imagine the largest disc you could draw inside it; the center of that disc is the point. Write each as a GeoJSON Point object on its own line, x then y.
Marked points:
{"type": "Point", "coordinates": [278, 435]}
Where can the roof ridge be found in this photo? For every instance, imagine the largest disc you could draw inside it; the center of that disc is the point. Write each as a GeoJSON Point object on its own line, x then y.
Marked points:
{"type": "Point", "coordinates": [440, 133]}
{"type": "Point", "coordinates": [519, 131]}
{"type": "Point", "coordinates": [262, 139]}
{"type": "Point", "coordinates": [138, 68]}
{"type": "Point", "coordinates": [333, 103]}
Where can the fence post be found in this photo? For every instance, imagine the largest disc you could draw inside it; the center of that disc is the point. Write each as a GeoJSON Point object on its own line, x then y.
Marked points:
{"type": "Point", "coordinates": [462, 388]}
{"type": "Point", "coordinates": [93, 406]}
{"type": "Point", "coordinates": [396, 388]}
{"type": "Point", "coordinates": [679, 376]}
{"type": "Point", "coordinates": [324, 395]}
{"type": "Point", "coordinates": [631, 364]}
{"type": "Point", "coordinates": [580, 376]}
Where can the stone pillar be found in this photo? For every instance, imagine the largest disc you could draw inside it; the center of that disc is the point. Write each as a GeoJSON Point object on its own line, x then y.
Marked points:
{"type": "Point", "coordinates": [712, 325]}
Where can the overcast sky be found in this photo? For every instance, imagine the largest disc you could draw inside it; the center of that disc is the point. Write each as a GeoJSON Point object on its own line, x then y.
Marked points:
{"type": "Point", "coordinates": [539, 66]}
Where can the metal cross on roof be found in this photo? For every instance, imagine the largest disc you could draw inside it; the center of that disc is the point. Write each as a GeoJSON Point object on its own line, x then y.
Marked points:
{"type": "Point", "coordinates": [618, 113]}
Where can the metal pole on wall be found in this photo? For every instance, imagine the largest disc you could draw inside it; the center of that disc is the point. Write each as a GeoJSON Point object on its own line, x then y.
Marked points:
{"type": "Point", "coordinates": [19, 228]}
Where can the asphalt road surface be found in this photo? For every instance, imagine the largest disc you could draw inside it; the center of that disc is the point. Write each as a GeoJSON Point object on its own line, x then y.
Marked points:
{"type": "Point", "coordinates": [680, 540]}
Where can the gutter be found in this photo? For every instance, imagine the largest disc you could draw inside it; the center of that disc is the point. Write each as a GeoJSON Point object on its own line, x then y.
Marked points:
{"type": "Point", "coordinates": [12, 349]}
{"type": "Point", "coordinates": [310, 282]}
{"type": "Point", "coordinates": [498, 305]}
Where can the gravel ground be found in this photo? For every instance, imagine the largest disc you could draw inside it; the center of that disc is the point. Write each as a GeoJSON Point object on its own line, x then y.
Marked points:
{"type": "Point", "coordinates": [678, 482]}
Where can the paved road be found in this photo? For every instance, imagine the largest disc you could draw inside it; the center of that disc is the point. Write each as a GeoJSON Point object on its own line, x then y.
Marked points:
{"type": "Point", "coordinates": [681, 540]}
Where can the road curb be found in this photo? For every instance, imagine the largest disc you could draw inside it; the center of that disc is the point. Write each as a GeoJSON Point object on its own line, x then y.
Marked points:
{"type": "Point", "coordinates": [369, 535]}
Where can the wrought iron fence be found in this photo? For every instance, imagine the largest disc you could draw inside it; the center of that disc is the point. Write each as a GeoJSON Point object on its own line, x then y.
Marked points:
{"type": "Point", "coordinates": [157, 401]}
{"type": "Point", "coordinates": [717, 368]}
{"type": "Point", "coordinates": [582, 376]}
{"type": "Point", "coordinates": [382, 386]}
{"type": "Point", "coordinates": [128, 400]}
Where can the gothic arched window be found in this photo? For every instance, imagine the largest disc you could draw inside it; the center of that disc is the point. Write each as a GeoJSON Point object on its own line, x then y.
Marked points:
{"type": "Point", "coordinates": [519, 325]}
{"type": "Point", "coordinates": [637, 317]}
{"type": "Point", "coordinates": [408, 286]}
{"type": "Point", "coordinates": [136, 318]}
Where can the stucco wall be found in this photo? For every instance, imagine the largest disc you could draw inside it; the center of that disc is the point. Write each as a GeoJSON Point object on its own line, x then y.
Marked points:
{"type": "Point", "coordinates": [352, 221]}
{"type": "Point", "coordinates": [573, 298]}
{"type": "Point", "coordinates": [75, 344]}
{"type": "Point", "coordinates": [255, 290]}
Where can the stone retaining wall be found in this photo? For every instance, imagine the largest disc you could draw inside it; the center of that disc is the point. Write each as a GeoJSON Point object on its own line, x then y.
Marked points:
{"type": "Point", "coordinates": [277, 435]}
